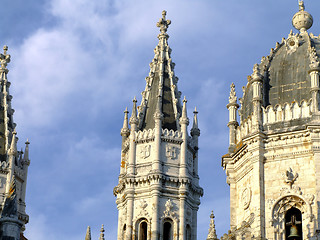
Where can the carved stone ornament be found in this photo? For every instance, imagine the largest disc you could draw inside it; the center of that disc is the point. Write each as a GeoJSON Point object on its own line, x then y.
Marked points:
{"type": "Point", "coordinates": [314, 60]}
{"type": "Point", "coordinates": [171, 152]}
{"type": "Point", "coordinates": [232, 96]}
{"type": "Point", "coordinates": [290, 177]}
{"type": "Point", "coordinates": [292, 44]}
{"type": "Point", "coordinates": [145, 151]}
{"type": "Point", "coordinates": [246, 198]}
{"type": "Point", "coordinates": [168, 212]}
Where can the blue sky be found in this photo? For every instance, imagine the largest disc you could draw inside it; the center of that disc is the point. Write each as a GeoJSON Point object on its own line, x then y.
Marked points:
{"type": "Point", "coordinates": [77, 64]}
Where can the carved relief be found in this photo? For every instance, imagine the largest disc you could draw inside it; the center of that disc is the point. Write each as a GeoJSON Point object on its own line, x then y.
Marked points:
{"type": "Point", "coordinates": [290, 177]}
{"type": "Point", "coordinates": [292, 44]}
{"type": "Point", "coordinates": [169, 211]}
{"type": "Point", "coordinates": [145, 151]}
{"type": "Point", "coordinates": [171, 152]}
{"type": "Point", "coordinates": [246, 198]}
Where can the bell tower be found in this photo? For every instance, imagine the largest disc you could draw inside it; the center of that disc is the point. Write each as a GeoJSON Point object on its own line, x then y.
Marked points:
{"type": "Point", "coordinates": [158, 194]}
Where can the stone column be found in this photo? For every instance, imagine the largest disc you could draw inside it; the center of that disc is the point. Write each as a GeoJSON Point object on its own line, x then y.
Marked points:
{"type": "Point", "coordinates": [10, 228]}
{"type": "Point", "coordinates": [256, 82]}
{"type": "Point", "coordinates": [233, 123]}
{"type": "Point", "coordinates": [314, 75]}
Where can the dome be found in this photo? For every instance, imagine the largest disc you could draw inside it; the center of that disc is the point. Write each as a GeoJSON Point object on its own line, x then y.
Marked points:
{"type": "Point", "coordinates": [285, 72]}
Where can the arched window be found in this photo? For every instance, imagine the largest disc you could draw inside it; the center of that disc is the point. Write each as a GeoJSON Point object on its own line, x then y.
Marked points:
{"type": "Point", "coordinates": [293, 224]}
{"type": "Point", "coordinates": [143, 230]}
{"type": "Point", "coordinates": [124, 231]}
{"type": "Point", "coordinates": [188, 232]}
{"type": "Point", "coordinates": [167, 230]}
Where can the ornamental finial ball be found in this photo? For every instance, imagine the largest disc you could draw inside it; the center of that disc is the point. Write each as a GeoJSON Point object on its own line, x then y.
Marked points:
{"type": "Point", "coordinates": [302, 20]}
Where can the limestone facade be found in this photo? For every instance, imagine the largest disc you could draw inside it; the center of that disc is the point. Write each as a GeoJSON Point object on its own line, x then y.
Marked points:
{"type": "Point", "coordinates": [158, 194]}
{"type": "Point", "coordinates": [272, 165]}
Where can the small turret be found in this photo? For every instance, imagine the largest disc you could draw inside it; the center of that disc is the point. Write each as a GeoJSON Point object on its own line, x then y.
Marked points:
{"type": "Point", "coordinates": [125, 128]}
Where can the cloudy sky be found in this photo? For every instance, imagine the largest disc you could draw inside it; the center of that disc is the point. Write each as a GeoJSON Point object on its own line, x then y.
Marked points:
{"type": "Point", "coordinates": [76, 64]}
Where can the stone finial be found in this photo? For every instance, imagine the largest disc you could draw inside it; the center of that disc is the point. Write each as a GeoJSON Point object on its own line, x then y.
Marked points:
{"type": "Point", "coordinates": [256, 75]}
{"type": "Point", "coordinates": [102, 233]}
{"type": "Point", "coordinates": [232, 96]}
{"type": "Point", "coordinates": [212, 235]}
{"type": "Point", "coordinates": [125, 126]}
{"type": "Point", "coordinates": [195, 131]}
{"type": "Point", "coordinates": [88, 234]}
{"type": "Point", "coordinates": [4, 58]}
{"type": "Point", "coordinates": [13, 146]}
{"type": "Point", "coordinates": [163, 24]}
{"type": "Point", "coordinates": [26, 153]}
{"type": "Point", "coordinates": [184, 116]}
{"type": "Point", "coordinates": [302, 20]}
{"type": "Point", "coordinates": [133, 118]}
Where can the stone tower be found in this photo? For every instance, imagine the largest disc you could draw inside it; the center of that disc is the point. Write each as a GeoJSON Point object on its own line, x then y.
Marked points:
{"type": "Point", "coordinates": [13, 165]}
{"type": "Point", "coordinates": [273, 162]}
{"type": "Point", "coordinates": [158, 194]}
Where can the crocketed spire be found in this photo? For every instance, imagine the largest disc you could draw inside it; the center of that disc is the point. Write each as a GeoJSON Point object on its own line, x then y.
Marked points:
{"type": "Point", "coordinates": [161, 93]}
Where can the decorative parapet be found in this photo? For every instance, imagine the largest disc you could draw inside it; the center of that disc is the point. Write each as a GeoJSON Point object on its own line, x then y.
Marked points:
{"type": "Point", "coordinates": [287, 112]}
{"type": "Point", "coordinates": [145, 136]}
{"type": "Point", "coordinates": [171, 136]}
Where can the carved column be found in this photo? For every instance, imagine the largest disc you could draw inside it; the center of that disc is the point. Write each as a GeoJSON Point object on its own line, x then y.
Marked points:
{"type": "Point", "coordinates": [233, 123]}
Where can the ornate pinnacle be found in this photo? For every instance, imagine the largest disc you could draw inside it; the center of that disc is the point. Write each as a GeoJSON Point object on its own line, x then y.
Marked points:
{"type": "Point", "coordinates": [163, 24]}
{"type": "Point", "coordinates": [233, 96]}
{"type": "Point", "coordinates": [125, 127]}
{"type": "Point", "coordinates": [302, 20]}
{"type": "Point", "coordinates": [88, 234]}
{"type": "Point", "coordinates": [301, 6]}
{"type": "Point", "coordinates": [256, 75]}
{"type": "Point", "coordinates": [133, 118]}
{"type": "Point", "coordinates": [4, 58]}
{"type": "Point", "coordinates": [158, 114]}
{"type": "Point", "coordinates": [102, 233]}
{"type": "Point", "coordinates": [212, 235]}
{"type": "Point", "coordinates": [195, 131]}
{"type": "Point", "coordinates": [184, 117]}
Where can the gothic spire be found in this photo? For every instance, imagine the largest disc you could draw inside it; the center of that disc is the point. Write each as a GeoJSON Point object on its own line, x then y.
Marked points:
{"type": "Point", "coordinates": [161, 82]}
{"type": "Point", "coordinates": [88, 234]}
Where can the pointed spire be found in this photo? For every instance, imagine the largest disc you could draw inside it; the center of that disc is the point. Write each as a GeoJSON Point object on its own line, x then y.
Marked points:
{"type": "Point", "coordinates": [88, 234]}
{"type": "Point", "coordinates": [13, 146]}
{"type": "Point", "coordinates": [133, 118]}
{"type": "Point", "coordinates": [102, 233]}
{"type": "Point", "coordinates": [212, 235]}
{"type": "Point", "coordinates": [125, 128]}
{"type": "Point", "coordinates": [195, 131]}
{"type": "Point", "coordinates": [302, 20]}
{"type": "Point", "coordinates": [184, 117]}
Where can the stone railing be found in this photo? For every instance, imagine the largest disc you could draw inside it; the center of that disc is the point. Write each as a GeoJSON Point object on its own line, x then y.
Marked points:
{"type": "Point", "coordinates": [145, 135]}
